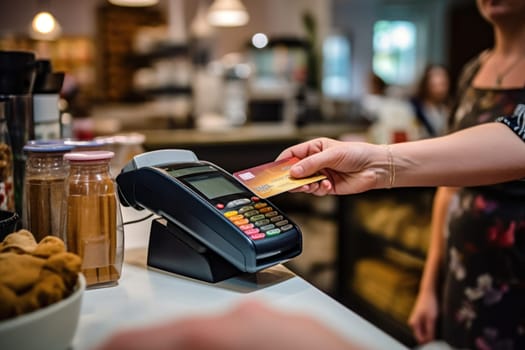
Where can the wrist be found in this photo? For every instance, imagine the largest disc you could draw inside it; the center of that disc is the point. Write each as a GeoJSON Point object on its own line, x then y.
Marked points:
{"type": "Point", "coordinates": [391, 166]}
{"type": "Point", "coordinates": [384, 167]}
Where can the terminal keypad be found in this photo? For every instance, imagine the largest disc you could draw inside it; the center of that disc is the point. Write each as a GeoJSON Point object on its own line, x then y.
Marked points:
{"type": "Point", "coordinates": [256, 218]}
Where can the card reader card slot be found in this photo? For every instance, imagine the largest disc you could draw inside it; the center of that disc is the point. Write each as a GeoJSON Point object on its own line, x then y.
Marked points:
{"type": "Point", "coordinates": [269, 260]}
{"type": "Point", "coordinates": [279, 248]}
{"type": "Point", "coordinates": [267, 255]}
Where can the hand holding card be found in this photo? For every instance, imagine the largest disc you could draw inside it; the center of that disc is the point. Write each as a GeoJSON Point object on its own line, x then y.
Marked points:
{"type": "Point", "coordinates": [273, 178]}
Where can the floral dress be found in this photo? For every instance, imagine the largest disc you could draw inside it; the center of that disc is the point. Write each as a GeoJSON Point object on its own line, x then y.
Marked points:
{"type": "Point", "coordinates": [484, 277]}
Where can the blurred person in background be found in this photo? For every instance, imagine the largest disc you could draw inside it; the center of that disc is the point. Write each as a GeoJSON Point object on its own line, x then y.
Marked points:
{"type": "Point", "coordinates": [431, 101]}
{"type": "Point", "coordinates": [376, 94]}
{"type": "Point", "coordinates": [477, 249]}
{"type": "Point", "coordinates": [393, 118]}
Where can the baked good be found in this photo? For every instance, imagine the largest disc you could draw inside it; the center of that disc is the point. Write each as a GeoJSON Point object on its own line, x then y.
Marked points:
{"type": "Point", "coordinates": [34, 275]}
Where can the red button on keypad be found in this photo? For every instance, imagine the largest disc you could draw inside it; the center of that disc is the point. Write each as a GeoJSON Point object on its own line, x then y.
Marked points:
{"type": "Point", "coordinates": [251, 231]}
{"type": "Point", "coordinates": [257, 236]}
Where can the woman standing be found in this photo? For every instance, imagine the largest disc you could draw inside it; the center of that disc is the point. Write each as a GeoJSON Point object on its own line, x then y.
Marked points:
{"type": "Point", "coordinates": [482, 256]}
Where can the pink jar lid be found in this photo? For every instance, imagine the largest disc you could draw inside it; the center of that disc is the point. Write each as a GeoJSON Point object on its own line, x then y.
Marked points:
{"type": "Point", "coordinates": [88, 156]}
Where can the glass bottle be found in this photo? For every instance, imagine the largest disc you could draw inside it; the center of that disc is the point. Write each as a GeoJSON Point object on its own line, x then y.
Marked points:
{"type": "Point", "coordinates": [94, 228]}
{"type": "Point", "coordinates": [7, 192]}
{"type": "Point", "coordinates": [44, 207]}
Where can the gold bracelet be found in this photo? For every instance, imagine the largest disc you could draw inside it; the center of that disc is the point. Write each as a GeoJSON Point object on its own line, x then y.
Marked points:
{"type": "Point", "coordinates": [391, 167]}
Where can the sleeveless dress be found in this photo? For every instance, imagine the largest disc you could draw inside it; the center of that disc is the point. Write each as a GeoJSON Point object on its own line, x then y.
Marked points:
{"type": "Point", "coordinates": [483, 301]}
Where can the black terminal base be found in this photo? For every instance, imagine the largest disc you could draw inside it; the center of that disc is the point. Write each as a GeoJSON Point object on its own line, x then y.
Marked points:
{"type": "Point", "coordinates": [171, 249]}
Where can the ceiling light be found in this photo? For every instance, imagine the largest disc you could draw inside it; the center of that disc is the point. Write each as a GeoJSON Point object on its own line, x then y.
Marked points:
{"type": "Point", "coordinates": [228, 13]}
{"type": "Point", "coordinates": [134, 3]}
{"type": "Point", "coordinates": [45, 27]}
{"type": "Point", "coordinates": [260, 40]}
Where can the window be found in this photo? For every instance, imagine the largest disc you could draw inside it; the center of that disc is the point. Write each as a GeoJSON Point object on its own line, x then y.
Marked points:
{"type": "Point", "coordinates": [394, 57]}
{"type": "Point", "coordinates": [336, 66]}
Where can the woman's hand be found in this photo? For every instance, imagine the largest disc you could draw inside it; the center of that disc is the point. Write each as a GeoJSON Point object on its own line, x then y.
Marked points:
{"type": "Point", "coordinates": [423, 318]}
{"type": "Point", "coordinates": [249, 326]}
{"type": "Point", "coordinates": [350, 167]}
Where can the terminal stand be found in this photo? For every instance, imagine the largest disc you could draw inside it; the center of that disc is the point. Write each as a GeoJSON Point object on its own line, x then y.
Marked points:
{"type": "Point", "coordinates": [173, 250]}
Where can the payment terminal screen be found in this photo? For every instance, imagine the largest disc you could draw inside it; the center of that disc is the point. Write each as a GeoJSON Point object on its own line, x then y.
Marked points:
{"type": "Point", "coordinates": [213, 185]}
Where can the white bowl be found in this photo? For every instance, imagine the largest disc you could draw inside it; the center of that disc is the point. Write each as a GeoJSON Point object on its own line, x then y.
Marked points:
{"type": "Point", "coordinates": [52, 327]}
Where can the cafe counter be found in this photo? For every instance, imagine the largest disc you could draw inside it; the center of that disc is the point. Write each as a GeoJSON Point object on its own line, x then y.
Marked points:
{"type": "Point", "coordinates": [145, 296]}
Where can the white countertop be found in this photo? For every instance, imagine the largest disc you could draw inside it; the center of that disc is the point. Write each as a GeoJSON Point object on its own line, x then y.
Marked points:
{"type": "Point", "coordinates": [144, 296]}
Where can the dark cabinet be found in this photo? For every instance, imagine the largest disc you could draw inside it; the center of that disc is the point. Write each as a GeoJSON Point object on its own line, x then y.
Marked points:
{"type": "Point", "coordinates": [382, 243]}
{"type": "Point", "coordinates": [116, 28]}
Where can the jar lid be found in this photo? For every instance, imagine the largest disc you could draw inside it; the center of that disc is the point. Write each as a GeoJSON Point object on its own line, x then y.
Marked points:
{"type": "Point", "coordinates": [88, 156]}
{"type": "Point", "coordinates": [45, 142]}
{"type": "Point", "coordinates": [47, 146]}
{"type": "Point", "coordinates": [84, 143]}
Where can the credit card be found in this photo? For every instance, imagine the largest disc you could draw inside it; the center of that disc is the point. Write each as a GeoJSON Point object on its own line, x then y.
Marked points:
{"type": "Point", "coordinates": [273, 178]}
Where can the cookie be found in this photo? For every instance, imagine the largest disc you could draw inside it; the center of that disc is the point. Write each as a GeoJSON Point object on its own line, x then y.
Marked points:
{"type": "Point", "coordinates": [65, 264]}
{"type": "Point", "coordinates": [48, 246]}
{"type": "Point", "coordinates": [19, 271]}
{"type": "Point", "coordinates": [9, 301]}
{"type": "Point", "coordinates": [20, 242]}
{"type": "Point", "coordinates": [46, 291]}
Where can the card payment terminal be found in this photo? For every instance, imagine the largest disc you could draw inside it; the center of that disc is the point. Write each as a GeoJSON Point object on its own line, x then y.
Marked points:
{"type": "Point", "coordinates": [212, 227]}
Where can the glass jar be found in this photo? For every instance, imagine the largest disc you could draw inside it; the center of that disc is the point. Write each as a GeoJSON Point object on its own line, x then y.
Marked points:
{"type": "Point", "coordinates": [94, 228]}
{"type": "Point", "coordinates": [44, 207]}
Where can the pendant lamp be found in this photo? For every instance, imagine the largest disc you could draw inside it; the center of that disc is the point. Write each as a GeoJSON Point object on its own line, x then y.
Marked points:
{"type": "Point", "coordinates": [44, 26]}
{"type": "Point", "coordinates": [228, 13]}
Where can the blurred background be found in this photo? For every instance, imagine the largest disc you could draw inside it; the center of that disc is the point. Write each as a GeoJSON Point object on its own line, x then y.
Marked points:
{"type": "Point", "coordinates": [288, 55]}
{"type": "Point", "coordinates": [237, 81]}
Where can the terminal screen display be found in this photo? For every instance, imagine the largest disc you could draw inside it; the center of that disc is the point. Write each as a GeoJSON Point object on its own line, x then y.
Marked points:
{"type": "Point", "coordinates": [214, 185]}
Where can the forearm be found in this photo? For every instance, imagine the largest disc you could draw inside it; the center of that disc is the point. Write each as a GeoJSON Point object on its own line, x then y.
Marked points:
{"type": "Point", "coordinates": [486, 154]}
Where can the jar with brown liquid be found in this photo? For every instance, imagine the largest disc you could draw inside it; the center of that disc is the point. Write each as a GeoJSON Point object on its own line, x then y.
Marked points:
{"type": "Point", "coordinates": [93, 221]}
{"type": "Point", "coordinates": [46, 171]}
